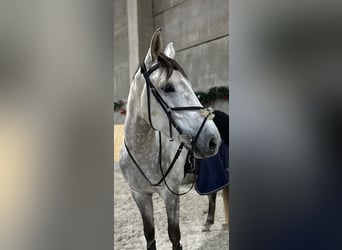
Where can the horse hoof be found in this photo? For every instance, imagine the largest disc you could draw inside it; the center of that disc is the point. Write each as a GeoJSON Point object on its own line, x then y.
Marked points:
{"type": "Point", "coordinates": [225, 226]}
{"type": "Point", "coordinates": [152, 246]}
{"type": "Point", "coordinates": [209, 222]}
{"type": "Point", "coordinates": [178, 247]}
{"type": "Point", "coordinates": [206, 227]}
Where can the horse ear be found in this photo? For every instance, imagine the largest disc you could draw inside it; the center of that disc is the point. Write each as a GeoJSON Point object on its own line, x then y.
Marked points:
{"type": "Point", "coordinates": [155, 47]}
{"type": "Point", "coordinates": [170, 51]}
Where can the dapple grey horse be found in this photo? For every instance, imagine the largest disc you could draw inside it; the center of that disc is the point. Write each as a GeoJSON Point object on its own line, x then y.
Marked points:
{"type": "Point", "coordinates": [163, 116]}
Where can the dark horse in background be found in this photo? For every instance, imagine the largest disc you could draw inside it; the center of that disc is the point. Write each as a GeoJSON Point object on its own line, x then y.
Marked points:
{"type": "Point", "coordinates": [218, 164]}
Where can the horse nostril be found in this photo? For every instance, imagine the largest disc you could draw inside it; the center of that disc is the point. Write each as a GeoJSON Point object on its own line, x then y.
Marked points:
{"type": "Point", "coordinates": [212, 144]}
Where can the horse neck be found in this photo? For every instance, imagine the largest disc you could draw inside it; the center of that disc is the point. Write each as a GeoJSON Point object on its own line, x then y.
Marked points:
{"type": "Point", "coordinates": [138, 132]}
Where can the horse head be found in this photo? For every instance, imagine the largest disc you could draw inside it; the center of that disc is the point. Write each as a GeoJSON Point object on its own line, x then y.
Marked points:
{"type": "Point", "coordinates": [168, 103]}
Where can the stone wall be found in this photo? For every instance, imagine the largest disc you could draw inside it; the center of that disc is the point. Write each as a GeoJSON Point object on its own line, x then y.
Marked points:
{"type": "Point", "coordinates": [199, 31]}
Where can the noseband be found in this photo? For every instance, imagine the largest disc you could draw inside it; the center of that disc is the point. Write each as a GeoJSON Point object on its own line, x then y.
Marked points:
{"type": "Point", "coordinates": [207, 113]}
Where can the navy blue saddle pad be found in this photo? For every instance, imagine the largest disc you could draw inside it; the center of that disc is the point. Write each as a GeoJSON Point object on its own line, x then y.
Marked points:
{"type": "Point", "coordinates": [213, 172]}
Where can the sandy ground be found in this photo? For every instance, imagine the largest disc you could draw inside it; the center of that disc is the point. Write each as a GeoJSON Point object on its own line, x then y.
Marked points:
{"type": "Point", "coordinates": [128, 230]}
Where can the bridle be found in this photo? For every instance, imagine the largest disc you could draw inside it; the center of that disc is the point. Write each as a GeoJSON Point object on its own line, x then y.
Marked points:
{"type": "Point", "coordinates": [207, 113]}
{"type": "Point", "coordinates": [167, 109]}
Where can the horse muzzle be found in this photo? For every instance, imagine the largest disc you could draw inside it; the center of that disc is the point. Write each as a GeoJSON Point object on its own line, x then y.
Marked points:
{"type": "Point", "coordinates": [207, 144]}
{"type": "Point", "coordinates": [207, 147]}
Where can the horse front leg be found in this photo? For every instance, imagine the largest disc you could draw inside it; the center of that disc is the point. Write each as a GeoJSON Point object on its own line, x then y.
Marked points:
{"type": "Point", "coordinates": [211, 212]}
{"type": "Point", "coordinates": [145, 205]}
{"type": "Point", "coordinates": [212, 207]}
{"type": "Point", "coordinates": [172, 209]}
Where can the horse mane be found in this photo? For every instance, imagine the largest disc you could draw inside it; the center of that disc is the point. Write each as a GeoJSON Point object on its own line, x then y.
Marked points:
{"type": "Point", "coordinates": [167, 63]}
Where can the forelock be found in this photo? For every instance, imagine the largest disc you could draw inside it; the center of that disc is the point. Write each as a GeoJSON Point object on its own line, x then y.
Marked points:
{"type": "Point", "coordinates": [170, 65]}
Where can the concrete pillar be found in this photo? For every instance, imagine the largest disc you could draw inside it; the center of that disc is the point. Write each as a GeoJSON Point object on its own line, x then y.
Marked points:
{"type": "Point", "coordinates": [140, 29]}
{"type": "Point", "coordinates": [146, 26]}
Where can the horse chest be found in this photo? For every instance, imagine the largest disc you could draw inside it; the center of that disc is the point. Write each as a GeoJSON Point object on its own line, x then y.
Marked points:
{"type": "Point", "coordinates": [148, 161]}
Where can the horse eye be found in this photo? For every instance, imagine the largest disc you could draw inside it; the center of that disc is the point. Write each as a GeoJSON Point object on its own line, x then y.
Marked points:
{"type": "Point", "coordinates": [168, 88]}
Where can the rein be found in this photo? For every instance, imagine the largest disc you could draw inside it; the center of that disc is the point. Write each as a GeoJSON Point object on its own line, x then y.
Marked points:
{"type": "Point", "coordinates": [206, 112]}
{"type": "Point", "coordinates": [179, 150]}
{"type": "Point", "coordinates": [164, 175]}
